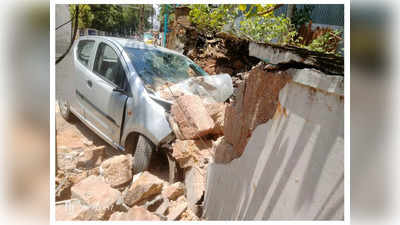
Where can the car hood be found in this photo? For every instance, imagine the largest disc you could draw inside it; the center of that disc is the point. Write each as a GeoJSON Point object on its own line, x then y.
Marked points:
{"type": "Point", "coordinates": [212, 88]}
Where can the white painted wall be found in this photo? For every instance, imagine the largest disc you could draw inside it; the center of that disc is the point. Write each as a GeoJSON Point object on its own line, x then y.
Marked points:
{"type": "Point", "coordinates": [293, 165]}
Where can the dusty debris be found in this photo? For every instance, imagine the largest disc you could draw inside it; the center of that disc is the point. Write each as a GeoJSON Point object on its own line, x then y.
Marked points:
{"type": "Point", "coordinates": [97, 194]}
{"type": "Point", "coordinates": [177, 208]}
{"type": "Point", "coordinates": [74, 210]}
{"type": "Point", "coordinates": [117, 170]}
{"type": "Point", "coordinates": [78, 177]}
{"type": "Point", "coordinates": [67, 159]}
{"type": "Point", "coordinates": [192, 117]}
{"type": "Point", "coordinates": [191, 152]}
{"type": "Point", "coordinates": [173, 191]}
{"type": "Point", "coordinates": [144, 185]}
{"type": "Point", "coordinates": [90, 158]}
{"type": "Point", "coordinates": [134, 213]}
{"type": "Point", "coordinates": [189, 215]}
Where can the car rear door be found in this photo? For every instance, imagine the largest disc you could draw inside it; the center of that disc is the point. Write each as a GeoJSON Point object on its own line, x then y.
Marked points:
{"type": "Point", "coordinates": [109, 90]}
{"type": "Point", "coordinates": [83, 61]}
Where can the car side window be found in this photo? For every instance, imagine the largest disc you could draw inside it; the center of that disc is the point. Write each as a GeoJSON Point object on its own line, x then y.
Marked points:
{"type": "Point", "coordinates": [84, 51]}
{"type": "Point", "coordinates": [108, 65]}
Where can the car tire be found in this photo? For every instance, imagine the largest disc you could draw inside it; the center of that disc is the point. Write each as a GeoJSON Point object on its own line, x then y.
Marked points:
{"type": "Point", "coordinates": [143, 153]}
{"type": "Point", "coordinates": [65, 111]}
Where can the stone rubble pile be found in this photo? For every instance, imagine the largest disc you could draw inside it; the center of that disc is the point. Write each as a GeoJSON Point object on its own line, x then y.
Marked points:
{"type": "Point", "coordinates": [108, 190]}
{"type": "Point", "coordinates": [197, 124]}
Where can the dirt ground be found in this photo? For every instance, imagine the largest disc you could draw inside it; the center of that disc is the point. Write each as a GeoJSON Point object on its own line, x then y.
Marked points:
{"type": "Point", "coordinates": [75, 137]}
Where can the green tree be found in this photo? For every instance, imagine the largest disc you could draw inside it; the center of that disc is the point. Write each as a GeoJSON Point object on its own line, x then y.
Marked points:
{"type": "Point", "coordinates": [85, 15]}
{"type": "Point", "coordinates": [122, 19]}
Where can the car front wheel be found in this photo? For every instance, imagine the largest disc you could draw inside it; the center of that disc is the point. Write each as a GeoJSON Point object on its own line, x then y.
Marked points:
{"type": "Point", "coordinates": [143, 153]}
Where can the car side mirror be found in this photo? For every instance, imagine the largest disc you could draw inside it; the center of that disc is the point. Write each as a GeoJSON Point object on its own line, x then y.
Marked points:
{"type": "Point", "coordinates": [120, 90]}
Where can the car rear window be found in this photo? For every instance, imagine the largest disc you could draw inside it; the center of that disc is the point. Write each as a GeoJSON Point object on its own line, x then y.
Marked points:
{"type": "Point", "coordinates": [85, 48]}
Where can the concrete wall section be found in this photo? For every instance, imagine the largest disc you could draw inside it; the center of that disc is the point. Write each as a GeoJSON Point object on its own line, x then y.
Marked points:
{"type": "Point", "coordinates": [293, 165]}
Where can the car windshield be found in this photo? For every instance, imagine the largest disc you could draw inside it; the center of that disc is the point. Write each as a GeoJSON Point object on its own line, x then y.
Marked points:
{"type": "Point", "coordinates": [157, 68]}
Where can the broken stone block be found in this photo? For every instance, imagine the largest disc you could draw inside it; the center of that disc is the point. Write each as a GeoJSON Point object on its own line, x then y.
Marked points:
{"type": "Point", "coordinates": [134, 213]}
{"type": "Point", "coordinates": [117, 170]}
{"type": "Point", "coordinates": [190, 152]}
{"type": "Point", "coordinates": [144, 185]}
{"type": "Point", "coordinates": [195, 182]}
{"type": "Point", "coordinates": [255, 103]}
{"type": "Point", "coordinates": [97, 194]}
{"type": "Point", "coordinates": [217, 113]}
{"type": "Point", "coordinates": [73, 210]}
{"type": "Point", "coordinates": [177, 208]}
{"type": "Point", "coordinates": [173, 191]}
{"type": "Point", "coordinates": [91, 157]}
{"type": "Point", "coordinates": [223, 151]}
{"type": "Point", "coordinates": [192, 117]}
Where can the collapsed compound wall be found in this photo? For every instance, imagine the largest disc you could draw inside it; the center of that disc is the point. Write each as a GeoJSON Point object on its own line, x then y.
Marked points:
{"type": "Point", "coordinates": [283, 152]}
{"type": "Point", "coordinates": [281, 155]}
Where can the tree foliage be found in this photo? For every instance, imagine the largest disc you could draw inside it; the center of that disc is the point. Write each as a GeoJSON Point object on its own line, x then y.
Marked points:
{"type": "Point", "coordinates": [122, 19]}
{"type": "Point", "coordinates": [256, 22]}
{"type": "Point", "coordinates": [259, 23]}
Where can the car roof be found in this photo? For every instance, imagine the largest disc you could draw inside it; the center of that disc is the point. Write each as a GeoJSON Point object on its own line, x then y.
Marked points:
{"type": "Point", "coordinates": [128, 43]}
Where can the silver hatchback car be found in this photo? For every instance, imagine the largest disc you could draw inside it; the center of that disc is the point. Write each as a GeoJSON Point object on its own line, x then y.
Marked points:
{"type": "Point", "coordinates": [116, 86]}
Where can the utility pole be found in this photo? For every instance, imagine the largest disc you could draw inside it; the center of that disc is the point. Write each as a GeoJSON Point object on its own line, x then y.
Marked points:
{"type": "Point", "coordinates": [165, 25]}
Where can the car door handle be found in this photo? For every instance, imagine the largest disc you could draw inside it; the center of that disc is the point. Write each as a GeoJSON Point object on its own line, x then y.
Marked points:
{"type": "Point", "coordinates": [89, 82]}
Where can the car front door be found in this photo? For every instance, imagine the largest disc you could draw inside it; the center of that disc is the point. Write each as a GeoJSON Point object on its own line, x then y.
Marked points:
{"type": "Point", "coordinates": [109, 90]}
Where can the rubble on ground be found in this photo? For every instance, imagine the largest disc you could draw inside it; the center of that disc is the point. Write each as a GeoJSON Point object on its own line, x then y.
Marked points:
{"type": "Point", "coordinates": [91, 157]}
{"type": "Point", "coordinates": [134, 213]}
{"type": "Point", "coordinates": [144, 185]}
{"type": "Point", "coordinates": [117, 170]}
{"type": "Point", "coordinates": [74, 210]}
{"type": "Point", "coordinates": [97, 194]}
{"type": "Point", "coordinates": [173, 191]}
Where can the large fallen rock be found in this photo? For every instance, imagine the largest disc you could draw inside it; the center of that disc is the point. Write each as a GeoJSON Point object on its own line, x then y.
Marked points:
{"type": "Point", "coordinates": [256, 103]}
{"type": "Point", "coordinates": [217, 112]}
{"type": "Point", "coordinates": [97, 194]}
{"type": "Point", "coordinates": [173, 191]}
{"type": "Point", "coordinates": [191, 117]}
{"type": "Point", "coordinates": [90, 158]}
{"type": "Point", "coordinates": [144, 185]}
{"type": "Point", "coordinates": [134, 213]}
{"type": "Point", "coordinates": [73, 210]}
{"type": "Point", "coordinates": [117, 171]}
{"type": "Point", "coordinates": [191, 152]}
